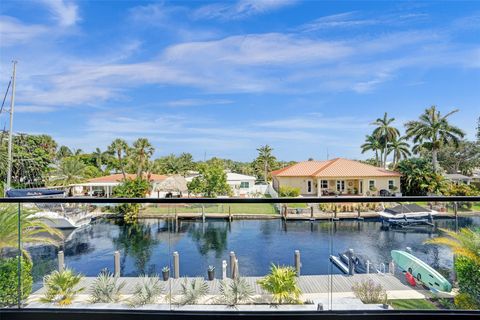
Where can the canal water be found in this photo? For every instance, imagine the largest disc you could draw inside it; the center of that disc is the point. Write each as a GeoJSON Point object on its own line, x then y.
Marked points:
{"type": "Point", "coordinates": [148, 246]}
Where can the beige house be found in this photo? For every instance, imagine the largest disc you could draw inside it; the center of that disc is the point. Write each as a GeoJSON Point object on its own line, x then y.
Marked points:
{"type": "Point", "coordinates": [336, 177]}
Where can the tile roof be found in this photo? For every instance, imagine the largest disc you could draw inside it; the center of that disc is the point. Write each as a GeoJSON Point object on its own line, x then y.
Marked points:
{"type": "Point", "coordinates": [338, 167]}
{"type": "Point", "coordinates": [119, 177]}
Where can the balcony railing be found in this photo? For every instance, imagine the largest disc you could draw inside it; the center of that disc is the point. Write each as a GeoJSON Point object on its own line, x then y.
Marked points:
{"type": "Point", "coordinates": [231, 257]}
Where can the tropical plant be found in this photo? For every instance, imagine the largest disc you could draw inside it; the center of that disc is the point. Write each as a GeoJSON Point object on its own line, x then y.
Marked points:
{"type": "Point", "coordinates": [99, 156]}
{"type": "Point", "coordinates": [400, 150]}
{"type": "Point", "coordinates": [119, 149]}
{"type": "Point", "coordinates": [64, 152]}
{"type": "Point", "coordinates": [468, 279]}
{"type": "Point", "coordinates": [281, 283]}
{"type": "Point", "coordinates": [147, 291]}
{"type": "Point", "coordinates": [432, 132]}
{"type": "Point", "coordinates": [192, 291]}
{"type": "Point", "coordinates": [212, 180]}
{"type": "Point", "coordinates": [372, 143]}
{"type": "Point", "coordinates": [418, 178]}
{"type": "Point", "coordinates": [465, 243]}
{"type": "Point", "coordinates": [287, 191]}
{"type": "Point", "coordinates": [234, 292]}
{"type": "Point", "coordinates": [32, 229]}
{"type": "Point", "coordinates": [265, 160]}
{"type": "Point", "coordinates": [463, 158]}
{"type": "Point", "coordinates": [9, 280]}
{"type": "Point", "coordinates": [131, 188]}
{"type": "Point", "coordinates": [464, 301]}
{"type": "Point", "coordinates": [385, 133]}
{"type": "Point", "coordinates": [166, 269]}
{"type": "Point", "coordinates": [70, 170]}
{"type": "Point", "coordinates": [140, 153]}
{"type": "Point", "coordinates": [369, 292]}
{"type": "Point", "coordinates": [106, 288]}
{"type": "Point", "coordinates": [173, 164]}
{"type": "Point", "coordinates": [61, 287]}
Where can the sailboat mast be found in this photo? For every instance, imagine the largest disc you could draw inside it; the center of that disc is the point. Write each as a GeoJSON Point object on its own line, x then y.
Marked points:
{"type": "Point", "coordinates": [10, 135]}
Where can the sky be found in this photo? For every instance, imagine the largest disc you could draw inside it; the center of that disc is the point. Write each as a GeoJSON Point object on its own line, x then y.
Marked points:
{"type": "Point", "coordinates": [223, 78]}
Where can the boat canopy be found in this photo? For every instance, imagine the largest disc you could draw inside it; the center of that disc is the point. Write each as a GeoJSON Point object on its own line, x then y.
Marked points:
{"type": "Point", "coordinates": [402, 209]}
{"type": "Point", "coordinates": [16, 193]}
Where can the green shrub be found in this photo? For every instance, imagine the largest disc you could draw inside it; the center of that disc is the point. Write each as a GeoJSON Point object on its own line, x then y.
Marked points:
{"type": "Point", "coordinates": [468, 277]}
{"type": "Point", "coordinates": [286, 191]}
{"type": "Point", "coordinates": [61, 287]}
{"type": "Point", "coordinates": [9, 280]}
{"type": "Point", "coordinates": [465, 301]}
{"type": "Point", "coordinates": [146, 292]}
{"type": "Point", "coordinates": [106, 288]}
{"type": "Point", "coordinates": [281, 282]}
{"type": "Point", "coordinates": [369, 292]}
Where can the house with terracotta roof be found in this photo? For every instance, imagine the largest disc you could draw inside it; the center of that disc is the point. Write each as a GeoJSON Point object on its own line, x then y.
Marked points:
{"type": "Point", "coordinates": [336, 177]}
{"type": "Point", "coordinates": [103, 186]}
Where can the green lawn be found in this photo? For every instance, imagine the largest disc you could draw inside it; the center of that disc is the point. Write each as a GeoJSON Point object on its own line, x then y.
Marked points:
{"type": "Point", "coordinates": [297, 205]}
{"type": "Point", "coordinates": [235, 208]}
{"type": "Point", "coordinates": [412, 304]}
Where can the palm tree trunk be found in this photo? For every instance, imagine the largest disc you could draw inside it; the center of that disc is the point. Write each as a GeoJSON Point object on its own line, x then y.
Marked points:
{"type": "Point", "coordinates": [385, 157]}
{"type": "Point", "coordinates": [120, 162]}
{"type": "Point", "coordinates": [376, 157]}
{"type": "Point", "coordinates": [265, 167]}
{"type": "Point", "coordinates": [434, 160]}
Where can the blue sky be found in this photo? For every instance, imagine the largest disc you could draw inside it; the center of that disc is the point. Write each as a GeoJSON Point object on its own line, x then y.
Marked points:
{"type": "Point", "coordinates": [221, 79]}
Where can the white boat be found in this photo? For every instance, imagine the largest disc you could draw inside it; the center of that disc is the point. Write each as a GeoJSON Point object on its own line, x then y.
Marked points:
{"type": "Point", "coordinates": [61, 221]}
{"type": "Point", "coordinates": [405, 211]}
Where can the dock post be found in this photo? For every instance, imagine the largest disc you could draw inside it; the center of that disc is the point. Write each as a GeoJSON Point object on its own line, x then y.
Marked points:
{"type": "Point", "coordinates": [176, 265]}
{"type": "Point", "coordinates": [335, 212]}
{"type": "Point", "coordinates": [61, 261]}
{"type": "Point", "coordinates": [116, 263]}
{"type": "Point", "coordinates": [368, 266]}
{"type": "Point", "coordinates": [298, 263]}
{"type": "Point", "coordinates": [224, 269]}
{"type": "Point", "coordinates": [203, 213]}
{"type": "Point", "coordinates": [235, 269]}
{"type": "Point", "coordinates": [358, 212]}
{"type": "Point", "coordinates": [232, 263]}
{"type": "Point", "coordinates": [311, 212]}
{"type": "Point", "coordinates": [230, 214]}
{"type": "Point", "coordinates": [351, 270]}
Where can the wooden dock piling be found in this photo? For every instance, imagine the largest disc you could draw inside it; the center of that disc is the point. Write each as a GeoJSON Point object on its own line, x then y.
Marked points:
{"type": "Point", "coordinates": [298, 263]}
{"type": "Point", "coordinates": [232, 264]}
{"type": "Point", "coordinates": [116, 263]}
{"type": "Point", "coordinates": [61, 261]}
{"type": "Point", "coordinates": [176, 265]}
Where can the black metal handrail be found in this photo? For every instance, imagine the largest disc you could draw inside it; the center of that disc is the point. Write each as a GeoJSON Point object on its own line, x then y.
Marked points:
{"type": "Point", "coordinates": [339, 199]}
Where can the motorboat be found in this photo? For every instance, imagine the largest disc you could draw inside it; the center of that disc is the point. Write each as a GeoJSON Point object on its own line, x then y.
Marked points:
{"type": "Point", "coordinates": [360, 263]}
{"type": "Point", "coordinates": [407, 214]}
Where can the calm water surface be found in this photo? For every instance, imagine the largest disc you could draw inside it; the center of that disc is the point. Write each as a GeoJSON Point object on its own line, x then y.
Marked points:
{"type": "Point", "coordinates": [148, 246]}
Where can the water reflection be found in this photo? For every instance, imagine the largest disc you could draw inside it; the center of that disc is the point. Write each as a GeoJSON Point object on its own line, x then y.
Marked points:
{"type": "Point", "coordinates": [148, 246]}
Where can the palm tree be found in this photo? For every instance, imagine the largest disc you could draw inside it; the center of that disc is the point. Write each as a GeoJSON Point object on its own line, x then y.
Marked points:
{"type": "Point", "coordinates": [432, 131]}
{"type": "Point", "coordinates": [265, 159]}
{"type": "Point", "coordinates": [385, 133]}
{"type": "Point", "coordinates": [99, 156]}
{"type": "Point", "coordinates": [70, 171]}
{"type": "Point", "coordinates": [119, 148]}
{"type": "Point", "coordinates": [32, 229]}
{"type": "Point", "coordinates": [465, 243]}
{"type": "Point", "coordinates": [400, 150]}
{"type": "Point", "coordinates": [142, 150]}
{"type": "Point", "coordinates": [372, 143]}
{"type": "Point", "coordinates": [64, 152]}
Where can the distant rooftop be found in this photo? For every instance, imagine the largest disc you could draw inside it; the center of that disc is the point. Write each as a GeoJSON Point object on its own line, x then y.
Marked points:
{"type": "Point", "coordinates": [338, 167]}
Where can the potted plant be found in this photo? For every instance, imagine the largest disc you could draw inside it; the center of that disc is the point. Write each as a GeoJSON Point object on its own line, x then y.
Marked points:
{"type": "Point", "coordinates": [166, 273]}
{"type": "Point", "coordinates": [211, 273]}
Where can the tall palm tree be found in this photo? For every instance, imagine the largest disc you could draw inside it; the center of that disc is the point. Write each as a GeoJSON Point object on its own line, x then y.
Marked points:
{"type": "Point", "coordinates": [372, 143]}
{"type": "Point", "coordinates": [465, 243]}
{"type": "Point", "coordinates": [266, 159]}
{"type": "Point", "coordinates": [400, 149]}
{"type": "Point", "coordinates": [32, 229]}
{"type": "Point", "coordinates": [99, 156]}
{"type": "Point", "coordinates": [385, 133]}
{"type": "Point", "coordinates": [64, 152]}
{"type": "Point", "coordinates": [119, 148]}
{"type": "Point", "coordinates": [69, 171]}
{"type": "Point", "coordinates": [432, 131]}
{"type": "Point", "coordinates": [142, 150]}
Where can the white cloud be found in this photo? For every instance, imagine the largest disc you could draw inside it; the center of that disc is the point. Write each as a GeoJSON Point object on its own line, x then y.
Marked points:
{"type": "Point", "coordinates": [33, 109]}
{"type": "Point", "coordinates": [197, 102]}
{"type": "Point", "coordinates": [240, 9]}
{"type": "Point", "coordinates": [64, 11]}
{"type": "Point", "coordinates": [14, 32]}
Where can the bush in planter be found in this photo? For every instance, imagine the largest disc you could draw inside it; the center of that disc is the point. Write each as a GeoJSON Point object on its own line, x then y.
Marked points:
{"type": "Point", "coordinates": [166, 273]}
{"type": "Point", "coordinates": [61, 287]}
{"type": "Point", "coordinates": [286, 191]}
{"type": "Point", "coordinates": [282, 284]}
{"type": "Point", "coordinates": [9, 280]}
{"type": "Point", "coordinates": [146, 292]}
{"type": "Point", "coordinates": [106, 288]}
{"type": "Point", "coordinates": [235, 292]}
{"type": "Point", "coordinates": [369, 292]}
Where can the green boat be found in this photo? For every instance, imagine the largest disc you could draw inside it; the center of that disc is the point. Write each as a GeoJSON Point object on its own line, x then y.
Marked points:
{"type": "Point", "coordinates": [421, 271]}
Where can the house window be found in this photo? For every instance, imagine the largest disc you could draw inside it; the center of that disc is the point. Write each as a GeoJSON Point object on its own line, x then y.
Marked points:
{"type": "Point", "coordinates": [324, 184]}
{"type": "Point", "coordinates": [244, 185]}
{"type": "Point", "coordinates": [309, 186]}
{"type": "Point", "coordinates": [371, 184]}
{"type": "Point", "coordinates": [340, 185]}
{"type": "Point", "coordinates": [391, 184]}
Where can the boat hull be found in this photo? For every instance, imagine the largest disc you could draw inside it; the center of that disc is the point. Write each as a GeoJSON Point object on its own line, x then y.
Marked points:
{"type": "Point", "coordinates": [421, 271]}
